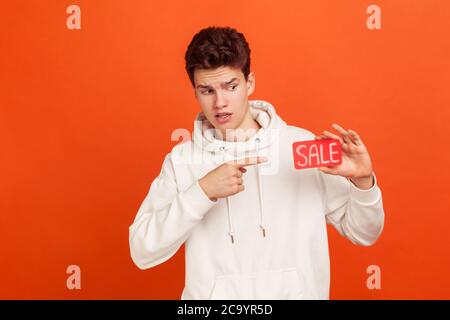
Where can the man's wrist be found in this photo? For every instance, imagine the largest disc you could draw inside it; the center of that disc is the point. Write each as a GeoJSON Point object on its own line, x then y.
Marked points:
{"type": "Point", "coordinates": [363, 183]}
{"type": "Point", "coordinates": [201, 182]}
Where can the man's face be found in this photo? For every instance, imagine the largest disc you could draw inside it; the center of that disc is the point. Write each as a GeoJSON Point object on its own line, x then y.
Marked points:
{"type": "Point", "coordinates": [223, 96]}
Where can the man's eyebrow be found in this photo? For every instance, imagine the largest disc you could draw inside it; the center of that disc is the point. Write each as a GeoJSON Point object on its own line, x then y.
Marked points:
{"type": "Point", "coordinates": [223, 83]}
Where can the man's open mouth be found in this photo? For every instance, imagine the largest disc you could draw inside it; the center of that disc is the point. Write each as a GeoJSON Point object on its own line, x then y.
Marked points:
{"type": "Point", "coordinates": [223, 116]}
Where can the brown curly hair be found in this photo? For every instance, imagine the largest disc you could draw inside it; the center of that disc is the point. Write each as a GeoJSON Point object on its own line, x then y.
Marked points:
{"type": "Point", "coordinates": [214, 47]}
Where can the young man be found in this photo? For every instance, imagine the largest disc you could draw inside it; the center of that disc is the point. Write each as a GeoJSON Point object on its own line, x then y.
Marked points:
{"type": "Point", "coordinates": [254, 227]}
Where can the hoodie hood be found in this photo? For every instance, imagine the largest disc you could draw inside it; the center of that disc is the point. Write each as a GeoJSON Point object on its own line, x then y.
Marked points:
{"type": "Point", "coordinates": [271, 124]}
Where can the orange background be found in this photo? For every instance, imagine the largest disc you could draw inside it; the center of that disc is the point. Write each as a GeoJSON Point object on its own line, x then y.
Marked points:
{"type": "Point", "coordinates": [86, 119]}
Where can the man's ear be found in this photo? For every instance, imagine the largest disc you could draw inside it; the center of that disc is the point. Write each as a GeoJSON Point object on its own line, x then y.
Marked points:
{"type": "Point", "coordinates": [250, 83]}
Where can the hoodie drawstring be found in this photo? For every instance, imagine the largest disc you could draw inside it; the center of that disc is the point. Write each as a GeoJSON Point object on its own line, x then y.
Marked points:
{"type": "Point", "coordinates": [230, 223]}
{"type": "Point", "coordinates": [261, 204]}
{"type": "Point", "coordinates": [260, 193]}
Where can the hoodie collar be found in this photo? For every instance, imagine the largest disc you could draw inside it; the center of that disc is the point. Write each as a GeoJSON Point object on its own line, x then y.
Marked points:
{"type": "Point", "coordinates": [262, 111]}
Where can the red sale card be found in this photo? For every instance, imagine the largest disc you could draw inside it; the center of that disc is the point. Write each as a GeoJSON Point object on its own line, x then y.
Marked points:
{"type": "Point", "coordinates": [317, 153]}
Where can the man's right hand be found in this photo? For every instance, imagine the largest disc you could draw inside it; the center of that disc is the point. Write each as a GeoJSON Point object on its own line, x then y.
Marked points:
{"type": "Point", "coordinates": [226, 179]}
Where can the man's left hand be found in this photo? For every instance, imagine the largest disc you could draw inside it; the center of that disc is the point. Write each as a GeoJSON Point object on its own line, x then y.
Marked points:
{"type": "Point", "coordinates": [356, 163]}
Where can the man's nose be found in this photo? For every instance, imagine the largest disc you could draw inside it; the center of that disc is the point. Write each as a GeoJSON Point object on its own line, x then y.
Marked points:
{"type": "Point", "coordinates": [220, 100]}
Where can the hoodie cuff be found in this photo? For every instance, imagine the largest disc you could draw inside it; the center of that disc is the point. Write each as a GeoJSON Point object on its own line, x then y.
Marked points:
{"type": "Point", "coordinates": [365, 196]}
{"type": "Point", "coordinates": [197, 200]}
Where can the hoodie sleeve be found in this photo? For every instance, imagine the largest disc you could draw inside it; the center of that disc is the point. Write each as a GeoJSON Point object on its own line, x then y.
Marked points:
{"type": "Point", "coordinates": [165, 218]}
{"type": "Point", "coordinates": [356, 214]}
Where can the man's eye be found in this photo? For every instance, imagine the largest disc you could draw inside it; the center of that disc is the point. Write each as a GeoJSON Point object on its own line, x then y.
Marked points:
{"type": "Point", "coordinates": [234, 86]}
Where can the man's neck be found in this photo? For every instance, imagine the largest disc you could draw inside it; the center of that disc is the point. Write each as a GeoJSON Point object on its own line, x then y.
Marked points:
{"type": "Point", "coordinates": [244, 131]}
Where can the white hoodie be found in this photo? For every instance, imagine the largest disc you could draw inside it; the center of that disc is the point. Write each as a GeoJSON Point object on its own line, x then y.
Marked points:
{"type": "Point", "coordinates": [266, 242]}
